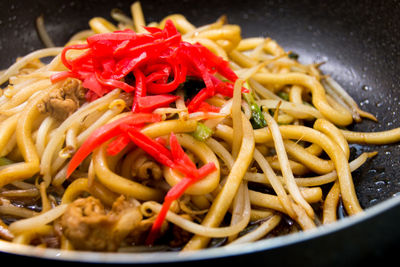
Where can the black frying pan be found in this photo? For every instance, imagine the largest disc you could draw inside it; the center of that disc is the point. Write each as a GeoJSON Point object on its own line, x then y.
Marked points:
{"type": "Point", "coordinates": [359, 42]}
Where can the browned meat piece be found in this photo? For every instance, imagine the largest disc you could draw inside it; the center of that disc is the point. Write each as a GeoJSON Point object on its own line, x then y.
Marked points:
{"type": "Point", "coordinates": [49, 241]}
{"type": "Point", "coordinates": [127, 217]}
{"type": "Point", "coordinates": [84, 222]}
{"type": "Point", "coordinates": [65, 100]}
{"type": "Point", "coordinates": [128, 98]}
{"type": "Point", "coordinates": [181, 236]}
{"type": "Point", "coordinates": [88, 225]}
{"type": "Point", "coordinates": [139, 234]}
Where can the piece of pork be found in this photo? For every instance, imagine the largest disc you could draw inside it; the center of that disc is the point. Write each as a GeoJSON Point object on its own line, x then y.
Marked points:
{"type": "Point", "coordinates": [88, 226]}
{"type": "Point", "coordinates": [180, 235]}
{"type": "Point", "coordinates": [65, 100]}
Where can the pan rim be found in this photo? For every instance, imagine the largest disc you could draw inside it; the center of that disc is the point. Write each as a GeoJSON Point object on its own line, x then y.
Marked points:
{"type": "Point", "coordinates": [206, 254]}
{"type": "Point", "coordinates": [166, 257]}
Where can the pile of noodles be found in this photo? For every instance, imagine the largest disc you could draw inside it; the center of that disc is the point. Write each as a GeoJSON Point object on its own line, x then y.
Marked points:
{"type": "Point", "coordinates": [264, 175]}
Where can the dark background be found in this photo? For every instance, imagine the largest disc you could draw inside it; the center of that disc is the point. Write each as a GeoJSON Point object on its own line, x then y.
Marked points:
{"type": "Point", "coordinates": [357, 39]}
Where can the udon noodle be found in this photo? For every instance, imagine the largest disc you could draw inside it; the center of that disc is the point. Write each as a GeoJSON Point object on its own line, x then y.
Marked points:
{"type": "Point", "coordinates": [289, 174]}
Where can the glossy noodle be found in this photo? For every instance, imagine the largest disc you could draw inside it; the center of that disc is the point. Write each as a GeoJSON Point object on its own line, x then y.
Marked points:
{"type": "Point", "coordinates": [264, 153]}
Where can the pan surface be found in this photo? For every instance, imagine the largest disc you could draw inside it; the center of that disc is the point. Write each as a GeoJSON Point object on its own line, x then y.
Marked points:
{"type": "Point", "coordinates": [358, 40]}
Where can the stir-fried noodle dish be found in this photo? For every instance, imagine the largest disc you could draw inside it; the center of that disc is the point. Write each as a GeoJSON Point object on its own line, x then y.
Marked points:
{"type": "Point", "coordinates": [143, 136]}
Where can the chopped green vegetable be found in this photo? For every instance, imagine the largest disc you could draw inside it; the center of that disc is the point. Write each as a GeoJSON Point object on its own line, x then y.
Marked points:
{"type": "Point", "coordinates": [202, 132]}
{"type": "Point", "coordinates": [257, 118]}
{"type": "Point", "coordinates": [293, 55]}
{"type": "Point", "coordinates": [5, 161]}
{"type": "Point", "coordinates": [283, 95]}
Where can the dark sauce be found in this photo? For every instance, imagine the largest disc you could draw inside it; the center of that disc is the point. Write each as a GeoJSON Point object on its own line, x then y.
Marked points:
{"type": "Point", "coordinates": [192, 87]}
{"type": "Point", "coordinates": [30, 203]}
